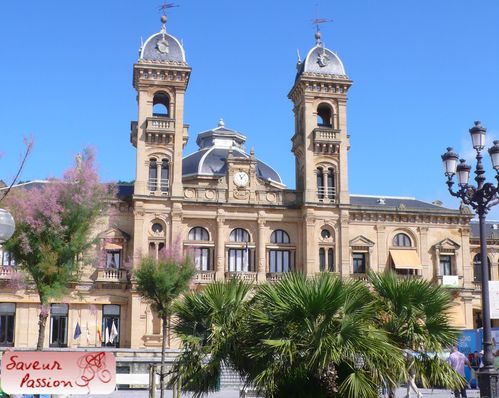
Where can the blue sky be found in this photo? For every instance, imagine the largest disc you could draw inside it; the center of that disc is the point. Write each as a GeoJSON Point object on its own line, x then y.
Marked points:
{"type": "Point", "coordinates": [423, 71]}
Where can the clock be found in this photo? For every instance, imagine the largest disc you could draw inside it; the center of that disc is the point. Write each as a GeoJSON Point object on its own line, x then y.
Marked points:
{"type": "Point", "coordinates": [162, 46]}
{"type": "Point", "coordinates": [241, 179]}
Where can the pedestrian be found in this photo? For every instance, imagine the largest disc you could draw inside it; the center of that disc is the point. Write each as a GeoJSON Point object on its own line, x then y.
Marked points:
{"type": "Point", "coordinates": [476, 363]}
{"type": "Point", "coordinates": [457, 360]}
{"type": "Point", "coordinates": [411, 370]}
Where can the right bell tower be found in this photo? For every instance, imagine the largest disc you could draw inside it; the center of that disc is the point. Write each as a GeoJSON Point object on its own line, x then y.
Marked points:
{"type": "Point", "coordinates": [321, 142]}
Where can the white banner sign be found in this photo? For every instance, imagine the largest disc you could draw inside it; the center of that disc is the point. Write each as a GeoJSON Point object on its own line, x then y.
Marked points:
{"type": "Point", "coordinates": [494, 299]}
{"type": "Point", "coordinates": [450, 280]}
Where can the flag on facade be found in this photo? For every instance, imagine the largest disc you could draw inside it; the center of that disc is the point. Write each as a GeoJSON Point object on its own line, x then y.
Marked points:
{"type": "Point", "coordinates": [99, 335]}
{"type": "Point", "coordinates": [113, 334]}
{"type": "Point", "coordinates": [106, 338]}
{"type": "Point", "coordinates": [77, 332]}
{"type": "Point", "coordinates": [88, 336]}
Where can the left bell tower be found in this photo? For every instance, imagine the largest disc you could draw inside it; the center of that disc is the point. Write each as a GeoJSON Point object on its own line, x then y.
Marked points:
{"type": "Point", "coordinates": [160, 77]}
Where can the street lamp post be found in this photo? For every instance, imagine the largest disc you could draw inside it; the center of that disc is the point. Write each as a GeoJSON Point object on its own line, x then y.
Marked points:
{"type": "Point", "coordinates": [481, 198]}
{"type": "Point", "coordinates": [7, 226]}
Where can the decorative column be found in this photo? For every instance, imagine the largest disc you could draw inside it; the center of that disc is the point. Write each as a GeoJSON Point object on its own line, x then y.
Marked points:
{"type": "Point", "coordinates": [345, 250]}
{"type": "Point", "coordinates": [381, 248]}
{"type": "Point", "coordinates": [437, 262]}
{"type": "Point", "coordinates": [311, 265]}
{"type": "Point", "coordinates": [261, 264]}
{"type": "Point", "coordinates": [425, 258]}
{"type": "Point", "coordinates": [220, 247]}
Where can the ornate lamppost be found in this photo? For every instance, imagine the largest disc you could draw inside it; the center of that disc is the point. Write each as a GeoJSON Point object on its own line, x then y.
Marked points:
{"type": "Point", "coordinates": [481, 198]}
{"type": "Point", "coordinates": [7, 226]}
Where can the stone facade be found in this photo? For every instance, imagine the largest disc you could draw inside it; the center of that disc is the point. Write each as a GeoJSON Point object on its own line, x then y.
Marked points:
{"type": "Point", "coordinates": [232, 213]}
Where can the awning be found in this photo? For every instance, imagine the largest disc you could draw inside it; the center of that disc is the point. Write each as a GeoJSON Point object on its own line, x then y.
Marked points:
{"type": "Point", "coordinates": [112, 246]}
{"type": "Point", "coordinates": [406, 259]}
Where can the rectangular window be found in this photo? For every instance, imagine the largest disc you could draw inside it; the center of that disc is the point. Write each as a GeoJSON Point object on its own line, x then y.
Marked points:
{"type": "Point", "coordinates": [6, 258]}
{"type": "Point", "coordinates": [322, 259]}
{"type": "Point", "coordinates": [113, 259]}
{"type": "Point", "coordinates": [202, 258]}
{"type": "Point", "coordinates": [58, 325]}
{"type": "Point", "coordinates": [279, 261]}
{"type": "Point", "coordinates": [359, 263]}
{"type": "Point", "coordinates": [111, 325]}
{"type": "Point", "coordinates": [7, 322]}
{"type": "Point", "coordinates": [446, 265]}
{"type": "Point", "coordinates": [330, 259]}
{"type": "Point", "coordinates": [240, 260]}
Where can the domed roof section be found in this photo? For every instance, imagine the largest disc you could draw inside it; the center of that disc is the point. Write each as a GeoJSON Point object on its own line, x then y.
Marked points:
{"type": "Point", "coordinates": [215, 145]}
{"type": "Point", "coordinates": [321, 60]}
{"type": "Point", "coordinates": [162, 47]}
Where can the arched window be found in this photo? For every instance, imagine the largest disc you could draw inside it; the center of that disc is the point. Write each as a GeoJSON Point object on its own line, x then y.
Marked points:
{"type": "Point", "coordinates": [477, 267]}
{"type": "Point", "coordinates": [330, 183]}
{"type": "Point", "coordinates": [401, 240]}
{"type": "Point", "coordinates": [241, 257]}
{"type": "Point", "coordinates": [279, 236]}
{"type": "Point", "coordinates": [165, 174]}
{"type": "Point", "coordinates": [239, 235]}
{"type": "Point", "coordinates": [161, 105]}
{"type": "Point", "coordinates": [280, 259]}
{"type": "Point", "coordinates": [324, 116]}
{"type": "Point", "coordinates": [153, 174]}
{"type": "Point", "coordinates": [320, 183]}
{"type": "Point", "coordinates": [202, 255]}
{"type": "Point", "coordinates": [198, 233]}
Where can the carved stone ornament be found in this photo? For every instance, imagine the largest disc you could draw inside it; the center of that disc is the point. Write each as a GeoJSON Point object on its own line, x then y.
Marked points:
{"type": "Point", "coordinates": [162, 46]}
{"type": "Point", "coordinates": [241, 194]}
{"type": "Point", "coordinates": [322, 59]}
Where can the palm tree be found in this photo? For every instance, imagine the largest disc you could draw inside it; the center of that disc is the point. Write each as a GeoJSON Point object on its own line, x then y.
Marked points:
{"type": "Point", "coordinates": [298, 337]}
{"type": "Point", "coordinates": [209, 324]}
{"type": "Point", "coordinates": [161, 282]}
{"type": "Point", "coordinates": [415, 314]}
{"type": "Point", "coordinates": [316, 337]}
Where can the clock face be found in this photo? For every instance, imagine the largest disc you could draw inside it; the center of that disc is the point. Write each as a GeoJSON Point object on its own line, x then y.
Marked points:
{"type": "Point", "coordinates": [162, 46]}
{"type": "Point", "coordinates": [241, 179]}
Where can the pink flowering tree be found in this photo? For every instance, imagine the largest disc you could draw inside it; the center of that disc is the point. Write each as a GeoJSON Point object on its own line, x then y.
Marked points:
{"type": "Point", "coordinates": [53, 225]}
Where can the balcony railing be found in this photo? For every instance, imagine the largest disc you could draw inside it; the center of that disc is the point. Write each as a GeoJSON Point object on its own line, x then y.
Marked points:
{"type": "Point", "coordinates": [275, 276]}
{"type": "Point", "coordinates": [326, 195]}
{"type": "Point", "coordinates": [203, 277]}
{"type": "Point", "coordinates": [326, 140]}
{"type": "Point", "coordinates": [159, 130]}
{"type": "Point", "coordinates": [112, 275]}
{"type": "Point", "coordinates": [7, 272]}
{"type": "Point", "coordinates": [162, 187]}
{"type": "Point", "coordinates": [360, 276]}
{"type": "Point", "coordinates": [244, 276]}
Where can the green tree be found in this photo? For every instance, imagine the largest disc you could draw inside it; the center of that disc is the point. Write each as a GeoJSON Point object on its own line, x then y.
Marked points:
{"type": "Point", "coordinates": [415, 314]}
{"type": "Point", "coordinates": [160, 282]}
{"type": "Point", "coordinates": [209, 324]}
{"type": "Point", "coordinates": [298, 337]}
{"type": "Point", "coordinates": [53, 225]}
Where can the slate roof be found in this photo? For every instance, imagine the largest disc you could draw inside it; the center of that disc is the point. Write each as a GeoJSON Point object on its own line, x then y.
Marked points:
{"type": "Point", "coordinates": [491, 229]}
{"type": "Point", "coordinates": [394, 203]}
{"type": "Point", "coordinates": [150, 52]}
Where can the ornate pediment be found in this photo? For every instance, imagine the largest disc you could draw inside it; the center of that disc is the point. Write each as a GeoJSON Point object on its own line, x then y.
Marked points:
{"type": "Point", "coordinates": [447, 245]}
{"type": "Point", "coordinates": [114, 233]}
{"type": "Point", "coordinates": [361, 241]}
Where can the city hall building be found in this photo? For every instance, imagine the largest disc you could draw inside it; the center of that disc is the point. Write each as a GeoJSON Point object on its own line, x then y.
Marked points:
{"type": "Point", "coordinates": [235, 216]}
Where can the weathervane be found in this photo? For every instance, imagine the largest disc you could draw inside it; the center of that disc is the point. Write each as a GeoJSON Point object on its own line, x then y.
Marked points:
{"type": "Point", "coordinates": [322, 59]}
{"type": "Point", "coordinates": [165, 6]}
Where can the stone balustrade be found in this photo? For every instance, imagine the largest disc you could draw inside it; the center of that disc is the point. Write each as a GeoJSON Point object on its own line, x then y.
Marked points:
{"type": "Point", "coordinates": [111, 275]}
{"type": "Point", "coordinates": [7, 272]}
{"type": "Point", "coordinates": [204, 277]}
{"type": "Point", "coordinates": [244, 276]}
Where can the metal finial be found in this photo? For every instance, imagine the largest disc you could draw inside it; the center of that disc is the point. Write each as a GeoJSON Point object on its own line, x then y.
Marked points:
{"type": "Point", "coordinates": [221, 123]}
{"type": "Point", "coordinates": [317, 22]}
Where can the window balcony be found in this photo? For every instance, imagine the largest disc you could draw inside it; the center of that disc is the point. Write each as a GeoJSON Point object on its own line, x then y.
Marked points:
{"type": "Point", "coordinates": [359, 276]}
{"type": "Point", "coordinates": [275, 276]}
{"type": "Point", "coordinates": [450, 281]}
{"type": "Point", "coordinates": [204, 277]}
{"type": "Point", "coordinates": [241, 275]}
{"type": "Point", "coordinates": [156, 186]}
{"type": "Point", "coordinates": [111, 275]}
{"type": "Point", "coordinates": [326, 195]}
{"type": "Point", "coordinates": [7, 272]}
{"type": "Point", "coordinates": [326, 140]}
{"type": "Point", "coordinates": [159, 130]}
